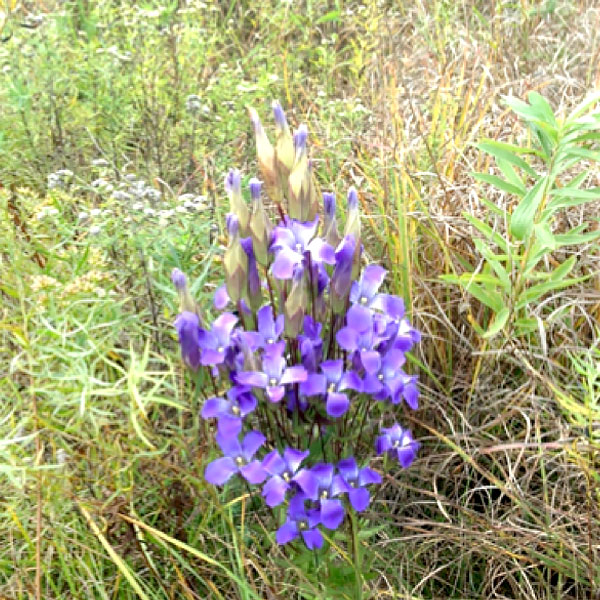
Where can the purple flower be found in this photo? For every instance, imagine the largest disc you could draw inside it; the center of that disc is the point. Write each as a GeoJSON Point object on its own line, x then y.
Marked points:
{"type": "Point", "coordinates": [189, 331]}
{"type": "Point", "coordinates": [399, 443]}
{"type": "Point", "coordinates": [353, 481]}
{"type": "Point", "coordinates": [317, 484]}
{"type": "Point", "coordinates": [215, 343]}
{"type": "Point", "coordinates": [275, 374]}
{"type": "Point", "coordinates": [341, 280]}
{"type": "Point", "coordinates": [282, 471]}
{"type": "Point", "coordinates": [269, 329]}
{"type": "Point", "coordinates": [289, 244]}
{"type": "Point", "coordinates": [179, 280]}
{"type": "Point", "coordinates": [364, 296]}
{"type": "Point", "coordinates": [240, 402]}
{"type": "Point", "coordinates": [300, 521]}
{"type": "Point", "coordinates": [383, 376]}
{"type": "Point", "coordinates": [333, 381]}
{"type": "Point", "coordinates": [238, 459]}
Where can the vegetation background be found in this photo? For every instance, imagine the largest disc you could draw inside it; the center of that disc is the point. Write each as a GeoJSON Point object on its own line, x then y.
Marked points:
{"type": "Point", "coordinates": [100, 458]}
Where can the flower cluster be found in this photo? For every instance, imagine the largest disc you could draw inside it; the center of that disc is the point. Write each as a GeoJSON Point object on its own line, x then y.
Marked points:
{"type": "Point", "coordinates": [306, 358]}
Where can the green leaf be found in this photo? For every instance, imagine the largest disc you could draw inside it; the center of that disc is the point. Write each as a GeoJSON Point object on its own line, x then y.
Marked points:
{"type": "Point", "coordinates": [525, 325]}
{"type": "Point", "coordinates": [537, 291]}
{"type": "Point", "coordinates": [488, 232]}
{"type": "Point", "coordinates": [584, 153]}
{"type": "Point", "coordinates": [523, 216]}
{"type": "Point", "coordinates": [494, 261]}
{"type": "Point", "coordinates": [500, 320]}
{"type": "Point", "coordinates": [567, 196]}
{"type": "Point", "coordinates": [542, 108]}
{"type": "Point", "coordinates": [333, 15]}
{"type": "Point", "coordinates": [500, 183]}
{"type": "Point", "coordinates": [500, 151]}
{"type": "Point", "coordinates": [573, 238]}
{"type": "Point", "coordinates": [544, 236]}
{"type": "Point", "coordinates": [467, 281]}
{"type": "Point", "coordinates": [583, 106]}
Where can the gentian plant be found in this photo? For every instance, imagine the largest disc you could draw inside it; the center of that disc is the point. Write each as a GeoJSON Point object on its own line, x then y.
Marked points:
{"type": "Point", "coordinates": [306, 358]}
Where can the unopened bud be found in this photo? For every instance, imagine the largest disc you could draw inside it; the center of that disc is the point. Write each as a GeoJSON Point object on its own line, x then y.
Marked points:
{"type": "Point", "coordinates": [237, 205]}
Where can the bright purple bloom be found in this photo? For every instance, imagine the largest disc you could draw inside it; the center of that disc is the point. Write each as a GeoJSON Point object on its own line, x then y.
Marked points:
{"type": "Point", "coordinates": [383, 376]}
{"type": "Point", "coordinates": [230, 412]}
{"type": "Point", "coordinates": [399, 443]}
{"type": "Point", "coordinates": [317, 484]}
{"type": "Point", "coordinates": [269, 329]}
{"type": "Point", "coordinates": [215, 343]}
{"type": "Point", "coordinates": [333, 381]}
{"type": "Point", "coordinates": [300, 521]}
{"type": "Point", "coordinates": [282, 471]}
{"type": "Point", "coordinates": [289, 244]}
{"type": "Point", "coordinates": [364, 296]}
{"type": "Point", "coordinates": [238, 459]}
{"type": "Point", "coordinates": [353, 481]}
{"type": "Point", "coordinates": [189, 332]}
{"type": "Point", "coordinates": [275, 374]}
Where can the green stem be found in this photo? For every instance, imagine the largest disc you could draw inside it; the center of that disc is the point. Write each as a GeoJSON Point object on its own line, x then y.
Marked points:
{"type": "Point", "coordinates": [356, 555]}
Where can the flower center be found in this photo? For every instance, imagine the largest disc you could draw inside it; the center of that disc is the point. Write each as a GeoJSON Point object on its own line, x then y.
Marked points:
{"type": "Point", "coordinates": [324, 495]}
{"type": "Point", "coordinates": [220, 349]}
{"type": "Point", "coordinates": [286, 476]}
{"type": "Point", "coordinates": [270, 340]}
{"type": "Point", "coordinates": [302, 525]}
{"type": "Point", "coordinates": [235, 410]}
{"type": "Point", "coordinates": [396, 444]}
{"type": "Point", "coordinates": [352, 484]}
{"type": "Point", "coordinates": [380, 376]}
{"type": "Point", "coordinates": [272, 382]}
{"type": "Point", "coordinates": [239, 461]}
{"type": "Point", "coordinates": [299, 248]}
{"type": "Point", "coordinates": [363, 300]}
{"type": "Point", "coordinates": [331, 388]}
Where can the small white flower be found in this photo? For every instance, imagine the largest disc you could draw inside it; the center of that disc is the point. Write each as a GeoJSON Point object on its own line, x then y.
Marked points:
{"type": "Point", "coordinates": [95, 212]}
{"type": "Point", "coordinates": [149, 211]}
{"type": "Point", "coordinates": [137, 205]}
{"type": "Point", "coordinates": [82, 216]}
{"type": "Point", "coordinates": [100, 162]}
{"type": "Point", "coordinates": [95, 229]}
{"type": "Point", "coordinates": [181, 209]}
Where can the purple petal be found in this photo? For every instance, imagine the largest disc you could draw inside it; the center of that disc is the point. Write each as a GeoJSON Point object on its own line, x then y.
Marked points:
{"type": "Point", "coordinates": [253, 472]}
{"type": "Point", "coordinates": [321, 251]}
{"type": "Point", "coordinates": [359, 498]}
{"type": "Point", "coordinates": [393, 306]}
{"type": "Point", "coordinates": [305, 232]}
{"type": "Point", "coordinates": [266, 323]}
{"type": "Point", "coordinates": [371, 280]}
{"type": "Point", "coordinates": [312, 538]}
{"type": "Point", "coordinates": [411, 394]}
{"type": "Point", "coordinates": [350, 380]}
{"type": "Point", "coordinates": [275, 393]}
{"type": "Point", "coordinates": [252, 442]}
{"type": "Point", "coordinates": [221, 298]}
{"type": "Point", "coordinates": [274, 491]}
{"type": "Point", "coordinates": [359, 318]}
{"type": "Point", "coordinates": [348, 468]}
{"type": "Point", "coordinates": [294, 457]}
{"type": "Point", "coordinates": [371, 361]}
{"type": "Point", "coordinates": [229, 426]}
{"type": "Point", "coordinates": [188, 329]}
{"type": "Point", "coordinates": [332, 370]}
{"type": "Point", "coordinates": [314, 384]}
{"type": "Point", "coordinates": [371, 385]}
{"type": "Point", "coordinates": [273, 463]}
{"type": "Point", "coordinates": [214, 407]}
{"type": "Point", "coordinates": [347, 338]}
{"type": "Point", "coordinates": [253, 378]}
{"type": "Point", "coordinates": [295, 374]}
{"type": "Point", "coordinates": [285, 263]}
{"type": "Point", "coordinates": [323, 473]}
{"type": "Point", "coordinates": [339, 486]}
{"type": "Point", "coordinates": [219, 471]}
{"type": "Point", "coordinates": [247, 403]}
{"type": "Point", "coordinates": [383, 444]}
{"type": "Point", "coordinates": [287, 532]}
{"type": "Point", "coordinates": [367, 476]}
{"type": "Point", "coordinates": [212, 357]}
{"type": "Point", "coordinates": [230, 445]}
{"type": "Point", "coordinates": [337, 404]}
{"type": "Point", "coordinates": [223, 325]}
{"type": "Point", "coordinates": [407, 455]}
{"type": "Point", "coordinates": [308, 483]}
{"type": "Point", "coordinates": [296, 508]}
{"type": "Point", "coordinates": [332, 513]}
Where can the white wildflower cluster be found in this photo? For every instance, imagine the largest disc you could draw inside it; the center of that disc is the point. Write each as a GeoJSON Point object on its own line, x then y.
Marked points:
{"type": "Point", "coordinates": [59, 179]}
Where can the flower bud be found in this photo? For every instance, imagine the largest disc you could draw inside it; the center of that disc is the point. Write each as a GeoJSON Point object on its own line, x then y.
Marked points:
{"type": "Point", "coordinates": [284, 144]}
{"type": "Point", "coordinates": [266, 156]}
{"type": "Point", "coordinates": [237, 205]}
{"type": "Point", "coordinates": [300, 178]}
{"type": "Point", "coordinates": [235, 261]}
{"type": "Point", "coordinates": [330, 231]}
{"type": "Point", "coordinates": [260, 225]}
{"type": "Point", "coordinates": [186, 302]}
{"type": "Point", "coordinates": [253, 291]}
{"type": "Point", "coordinates": [295, 304]}
{"type": "Point", "coordinates": [353, 228]}
{"type": "Point", "coordinates": [341, 279]}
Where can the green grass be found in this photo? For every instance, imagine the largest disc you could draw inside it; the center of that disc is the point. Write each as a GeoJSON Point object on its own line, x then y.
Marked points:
{"type": "Point", "coordinates": [101, 447]}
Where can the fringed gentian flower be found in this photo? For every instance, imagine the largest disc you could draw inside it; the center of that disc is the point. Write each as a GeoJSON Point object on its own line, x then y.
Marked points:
{"type": "Point", "coordinates": [399, 443]}
{"type": "Point", "coordinates": [282, 471]}
{"type": "Point", "coordinates": [301, 522]}
{"type": "Point", "coordinates": [353, 481]}
{"type": "Point", "coordinates": [214, 343]}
